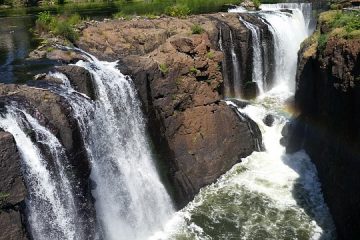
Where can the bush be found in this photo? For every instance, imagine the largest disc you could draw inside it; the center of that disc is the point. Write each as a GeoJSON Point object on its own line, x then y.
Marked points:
{"type": "Point", "coordinates": [197, 29]}
{"type": "Point", "coordinates": [180, 11]}
{"type": "Point", "coordinates": [65, 29]}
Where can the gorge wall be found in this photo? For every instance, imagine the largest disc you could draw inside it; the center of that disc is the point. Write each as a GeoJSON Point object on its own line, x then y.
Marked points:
{"type": "Point", "coordinates": [328, 101]}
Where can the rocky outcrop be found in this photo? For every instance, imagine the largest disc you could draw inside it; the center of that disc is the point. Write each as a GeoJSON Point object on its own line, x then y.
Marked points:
{"type": "Point", "coordinates": [179, 79]}
{"type": "Point", "coordinates": [328, 100]}
{"type": "Point", "coordinates": [12, 190]}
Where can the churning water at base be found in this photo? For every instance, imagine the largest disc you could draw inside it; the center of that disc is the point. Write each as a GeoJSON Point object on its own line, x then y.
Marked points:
{"type": "Point", "coordinates": [52, 212]}
{"type": "Point", "coordinates": [131, 201]}
{"type": "Point", "coordinates": [269, 195]}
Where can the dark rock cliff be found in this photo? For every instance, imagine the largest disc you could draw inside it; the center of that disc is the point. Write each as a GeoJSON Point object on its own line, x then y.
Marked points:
{"type": "Point", "coordinates": [328, 100]}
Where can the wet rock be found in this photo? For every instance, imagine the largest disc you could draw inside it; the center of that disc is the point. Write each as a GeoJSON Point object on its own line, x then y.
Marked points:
{"type": "Point", "coordinates": [269, 120]}
{"type": "Point", "coordinates": [79, 78]}
{"type": "Point", "coordinates": [12, 186]}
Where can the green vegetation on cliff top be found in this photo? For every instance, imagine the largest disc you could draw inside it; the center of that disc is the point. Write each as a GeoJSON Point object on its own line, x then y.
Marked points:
{"type": "Point", "coordinates": [340, 24]}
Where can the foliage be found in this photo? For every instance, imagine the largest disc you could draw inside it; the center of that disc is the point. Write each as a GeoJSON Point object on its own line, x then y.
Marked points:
{"type": "Point", "coordinates": [345, 24]}
{"type": "Point", "coordinates": [180, 11]}
{"type": "Point", "coordinates": [257, 3]}
{"type": "Point", "coordinates": [197, 29]}
{"type": "Point", "coordinates": [322, 42]}
{"type": "Point", "coordinates": [60, 25]}
{"type": "Point", "coordinates": [164, 69]}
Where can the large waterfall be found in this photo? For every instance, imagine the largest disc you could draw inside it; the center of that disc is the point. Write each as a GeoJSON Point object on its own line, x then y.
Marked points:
{"type": "Point", "coordinates": [270, 194]}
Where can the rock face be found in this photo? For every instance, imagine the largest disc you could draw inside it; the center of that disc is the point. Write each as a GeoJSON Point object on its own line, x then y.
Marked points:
{"type": "Point", "coordinates": [328, 98]}
{"type": "Point", "coordinates": [179, 79]}
{"type": "Point", "coordinates": [12, 190]}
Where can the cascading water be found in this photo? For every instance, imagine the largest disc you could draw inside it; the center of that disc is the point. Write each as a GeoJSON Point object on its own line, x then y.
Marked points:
{"type": "Point", "coordinates": [270, 194]}
{"type": "Point", "coordinates": [236, 69]}
{"type": "Point", "coordinates": [258, 74]}
{"type": "Point", "coordinates": [131, 201]}
{"type": "Point", "coordinates": [52, 210]}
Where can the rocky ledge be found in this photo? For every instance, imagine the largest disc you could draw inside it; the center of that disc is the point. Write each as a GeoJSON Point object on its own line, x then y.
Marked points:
{"type": "Point", "coordinates": [328, 101]}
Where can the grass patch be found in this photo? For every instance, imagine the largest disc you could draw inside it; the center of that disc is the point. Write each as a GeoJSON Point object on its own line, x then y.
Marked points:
{"type": "Point", "coordinates": [164, 69]}
{"type": "Point", "coordinates": [210, 55]}
{"type": "Point", "coordinates": [197, 29]}
{"type": "Point", "coordinates": [193, 70]}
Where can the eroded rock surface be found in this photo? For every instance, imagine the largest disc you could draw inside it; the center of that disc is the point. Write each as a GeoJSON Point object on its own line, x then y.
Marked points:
{"type": "Point", "coordinates": [178, 75]}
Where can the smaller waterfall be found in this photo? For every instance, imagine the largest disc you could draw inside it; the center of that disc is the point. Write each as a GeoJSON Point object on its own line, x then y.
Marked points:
{"type": "Point", "coordinates": [305, 8]}
{"type": "Point", "coordinates": [258, 73]}
{"type": "Point", "coordinates": [236, 69]}
{"type": "Point", "coordinates": [50, 202]}
{"type": "Point", "coordinates": [286, 45]}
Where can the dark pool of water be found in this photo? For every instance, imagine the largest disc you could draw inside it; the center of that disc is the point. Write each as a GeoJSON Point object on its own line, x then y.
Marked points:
{"type": "Point", "coordinates": [16, 42]}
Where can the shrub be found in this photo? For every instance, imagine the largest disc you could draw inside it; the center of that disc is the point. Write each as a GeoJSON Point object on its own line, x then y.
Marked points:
{"type": "Point", "coordinates": [65, 29]}
{"type": "Point", "coordinates": [180, 11]}
{"type": "Point", "coordinates": [197, 29]}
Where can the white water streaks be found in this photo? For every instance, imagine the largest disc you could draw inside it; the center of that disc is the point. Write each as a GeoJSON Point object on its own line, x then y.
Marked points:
{"type": "Point", "coordinates": [131, 202]}
{"type": "Point", "coordinates": [258, 73]}
{"type": "Point", "coordinates": [52, 211]}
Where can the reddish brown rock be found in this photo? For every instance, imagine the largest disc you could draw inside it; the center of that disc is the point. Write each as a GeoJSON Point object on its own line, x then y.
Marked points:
{"type": "Point", "coordinates": [179, 80]}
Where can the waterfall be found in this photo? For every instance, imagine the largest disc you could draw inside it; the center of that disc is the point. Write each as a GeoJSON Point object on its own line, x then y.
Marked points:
{"type": "Point", "coordinates": [52, 210]}
{"type": "Point", "coordinates": [258, 74]}
{"type": "Point", "coordinates": [305, 8]}
{"type": "Point", "coordinates": [270, 194]}
{"type": "Point", "coordinates": [287, 43]}
{"type": "Point", "coordinates": [236, 69]}
{"type": "Point", "coordinates": [131, 201]}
